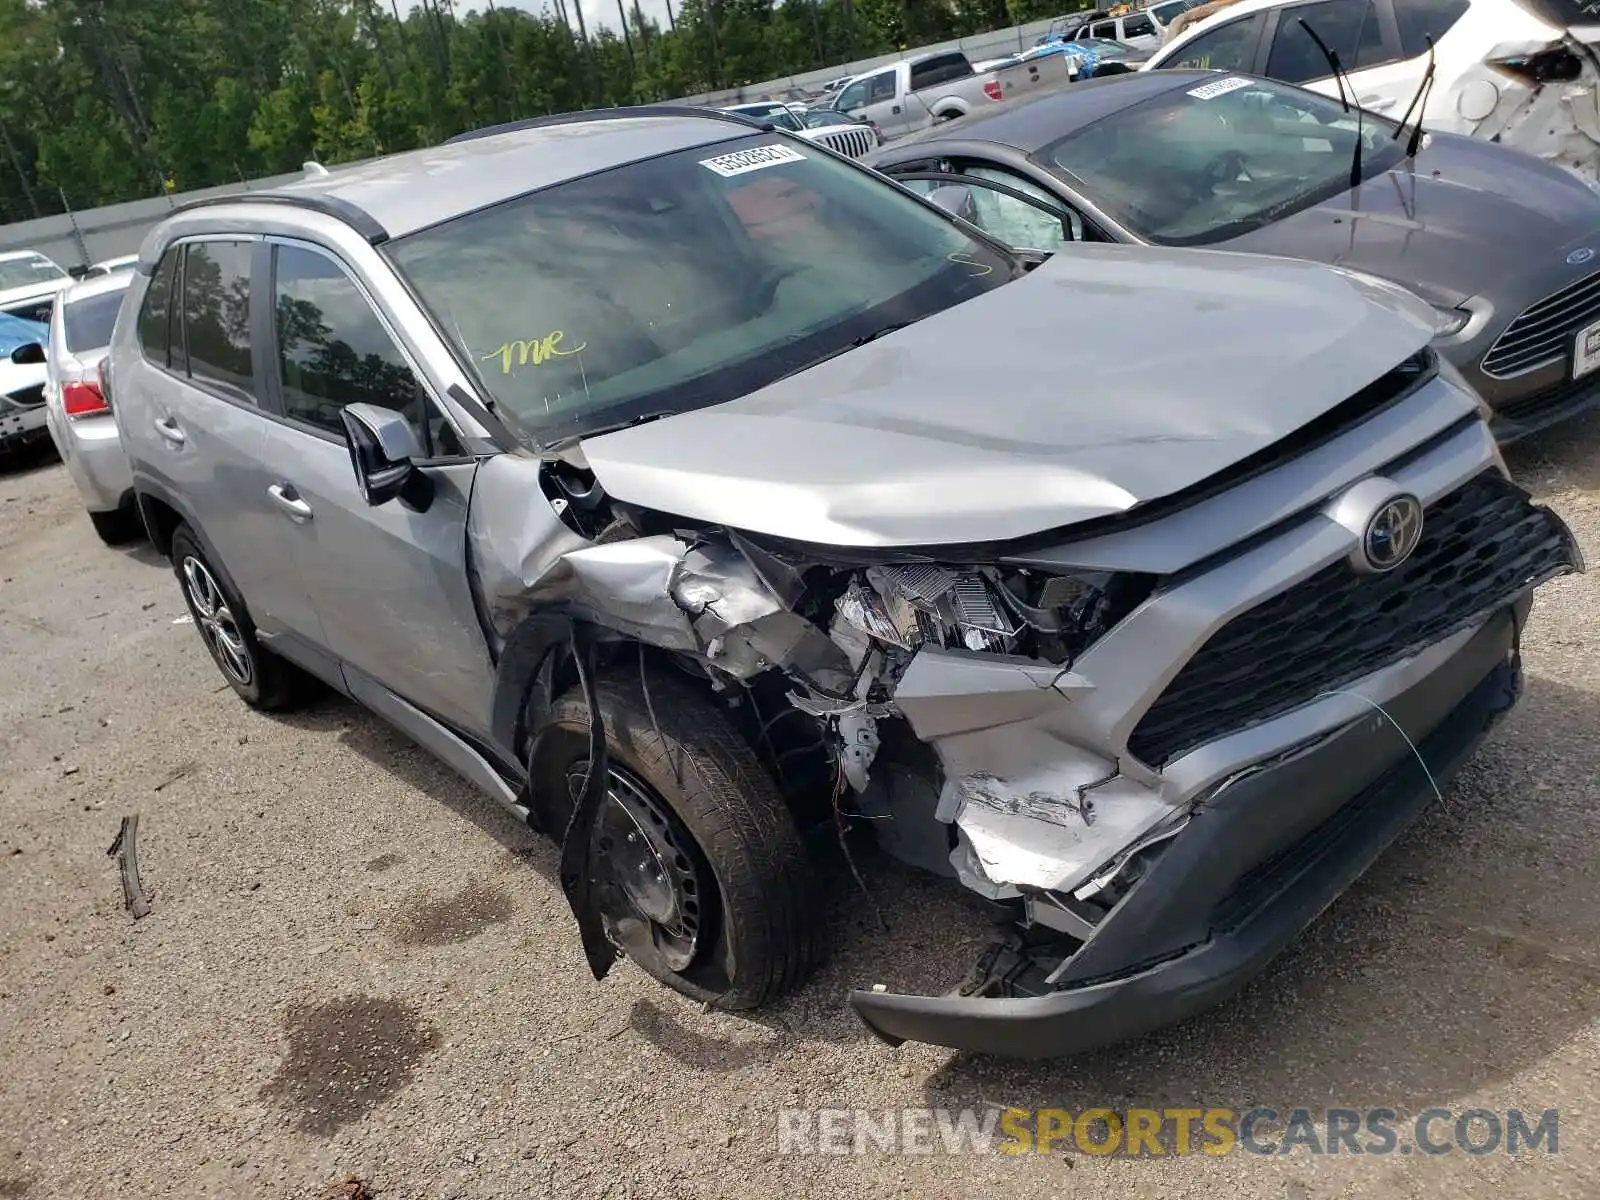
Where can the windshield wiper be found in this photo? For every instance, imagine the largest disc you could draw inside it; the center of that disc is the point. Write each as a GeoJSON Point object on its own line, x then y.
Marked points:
{"type": "Point", "coordinates": [1341, 78]}
{"type": "Point", "coordinates": [1418, 102]}
{"type": "Point", "coordinates": [855, 344]}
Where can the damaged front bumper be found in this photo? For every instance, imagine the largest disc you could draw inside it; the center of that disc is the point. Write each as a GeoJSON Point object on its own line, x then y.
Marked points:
{"type": "Point", "coordinates": [1257, 861]}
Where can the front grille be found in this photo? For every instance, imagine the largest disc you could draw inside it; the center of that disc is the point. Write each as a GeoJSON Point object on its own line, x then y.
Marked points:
{"type": "Point", "coordinates": [1481, 545]}
{"type": "Point", "coordinates": [850, 141]}
{"type": "Point", "coordinates": [28, 397]}
{"type": "Point", "coordinates": [1543, 332]}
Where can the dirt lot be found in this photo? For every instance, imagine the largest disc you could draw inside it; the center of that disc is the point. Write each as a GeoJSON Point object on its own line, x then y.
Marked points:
{"type": "Point", "coordinates": [355, 964]}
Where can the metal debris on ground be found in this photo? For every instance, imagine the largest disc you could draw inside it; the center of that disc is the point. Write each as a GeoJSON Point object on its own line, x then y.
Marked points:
{"type": "Point", "coordinates": [176, 774]}
{"type": "Point", "coordinates": [122, 850]}
{"type": "Point", "coordinates": [351, 1187]}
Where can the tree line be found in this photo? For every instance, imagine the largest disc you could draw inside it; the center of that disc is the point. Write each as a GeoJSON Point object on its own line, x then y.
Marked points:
{"type": "Point", "coordinates": [108, 100]}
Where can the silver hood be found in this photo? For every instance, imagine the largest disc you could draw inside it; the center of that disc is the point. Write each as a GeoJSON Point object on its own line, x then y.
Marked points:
{"type": "Point", "coordinates": [1108, 377]}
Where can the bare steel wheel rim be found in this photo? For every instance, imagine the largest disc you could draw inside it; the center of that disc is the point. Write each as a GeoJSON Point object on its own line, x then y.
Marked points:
{"type": "Point", "coordinates": [652, 860]}
{"type": "Point", "coordinates": [217, 624]}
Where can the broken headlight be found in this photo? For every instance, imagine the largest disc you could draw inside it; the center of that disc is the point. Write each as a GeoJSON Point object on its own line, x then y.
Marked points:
{"type": "Point", "coordinates": [990, 609]}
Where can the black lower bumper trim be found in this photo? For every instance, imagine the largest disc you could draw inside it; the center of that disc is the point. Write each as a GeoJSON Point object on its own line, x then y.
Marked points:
{"type": "Point", "coordinates": [1309, 871]}
{"type": "Point", "coordinates": [1517, 419]}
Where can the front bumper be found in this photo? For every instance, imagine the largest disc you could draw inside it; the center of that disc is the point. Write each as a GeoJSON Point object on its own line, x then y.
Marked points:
{"type": "Point", "coordinates": [1258, 861]}
{"type": "Point", "coordinates": [1544, 407]}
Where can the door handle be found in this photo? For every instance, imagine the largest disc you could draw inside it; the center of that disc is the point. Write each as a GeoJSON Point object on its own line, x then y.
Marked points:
{"type": "Point", "coordinates": [285, 497]}
{"type": "Point", "coordinates": [896, 110]}
{"type": "Point", "coordinates": [1376, 103]}
{"type": "Point", "coordinates": [168, 428]}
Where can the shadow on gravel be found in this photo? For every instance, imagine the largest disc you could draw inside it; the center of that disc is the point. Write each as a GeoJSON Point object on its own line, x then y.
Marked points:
{"type": "Point", "coordinates": [1566, 454]}
{"type": "Point", "coordinates": [393, 752]}
{"type": "Point", "coordinates": [29, 460]}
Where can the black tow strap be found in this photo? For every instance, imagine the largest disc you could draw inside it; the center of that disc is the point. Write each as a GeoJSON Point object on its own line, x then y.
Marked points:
{"type": "Point", "coordinates": [577, 844]}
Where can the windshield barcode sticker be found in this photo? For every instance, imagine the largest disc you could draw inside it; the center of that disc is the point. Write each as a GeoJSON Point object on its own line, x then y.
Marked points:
{"type": "Point", "coordinates": [729, 165]}
{"type": "Point", "coordinates": [1208, 91]}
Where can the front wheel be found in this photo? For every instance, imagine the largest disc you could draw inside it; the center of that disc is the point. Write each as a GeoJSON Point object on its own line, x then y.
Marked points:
{"type": "Point", "coordinates": [701, 853]}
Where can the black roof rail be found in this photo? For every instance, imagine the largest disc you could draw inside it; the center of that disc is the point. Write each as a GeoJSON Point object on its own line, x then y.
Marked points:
{"type": "Point", "coordinates": [358, 219]}
{"type": "Point", "coordinates": [610, 114]}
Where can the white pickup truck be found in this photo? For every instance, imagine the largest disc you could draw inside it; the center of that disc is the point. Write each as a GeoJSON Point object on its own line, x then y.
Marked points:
{"type": "Point", "coordinates": [914, 93]}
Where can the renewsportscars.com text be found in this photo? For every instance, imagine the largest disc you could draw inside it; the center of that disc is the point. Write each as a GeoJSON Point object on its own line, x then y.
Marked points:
{"type": "Point", "coordinates": [1167, 1132]}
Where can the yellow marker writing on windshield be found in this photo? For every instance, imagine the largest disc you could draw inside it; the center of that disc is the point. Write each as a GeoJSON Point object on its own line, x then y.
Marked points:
{"type": "Point", "coordinates": [960, 256]}
{"type": "Point", "coordinates": [535, 350]}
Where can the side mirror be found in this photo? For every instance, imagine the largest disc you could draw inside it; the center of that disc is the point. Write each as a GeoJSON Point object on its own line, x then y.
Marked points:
{"type": "Point", "coordinates": [383, 453]}
{"type": "Point", "coordinates": [28, 354]}
{"type": "Point", "coordinates": [956, 200]}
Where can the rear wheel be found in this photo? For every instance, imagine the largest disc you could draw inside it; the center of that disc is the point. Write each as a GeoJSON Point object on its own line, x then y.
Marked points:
{"type": "Point", "coordinates": [118, 526]}
{"type": "Point", "coordinates": [261, 678]}
{"type": "Point", "coordinates": [703, 857]}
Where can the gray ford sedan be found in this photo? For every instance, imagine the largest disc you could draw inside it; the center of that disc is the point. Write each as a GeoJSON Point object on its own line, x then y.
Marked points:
{"type": "Point", "coordinates": [1506, 248]}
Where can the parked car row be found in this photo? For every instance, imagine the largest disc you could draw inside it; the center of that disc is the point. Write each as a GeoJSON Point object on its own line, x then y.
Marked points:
{"type": "Point", "coordinates": [686, 485]}
{"type": "Point", "coordinates": [1522, 73]}
{"type": "Point", "coordinates": [1505, 248]}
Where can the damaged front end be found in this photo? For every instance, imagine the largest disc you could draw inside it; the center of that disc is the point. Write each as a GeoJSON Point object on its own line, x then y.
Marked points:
{"type": "Point", "coordinates": [1537, 95]}
{"type": "Point", "coordinates": [1157, 775]}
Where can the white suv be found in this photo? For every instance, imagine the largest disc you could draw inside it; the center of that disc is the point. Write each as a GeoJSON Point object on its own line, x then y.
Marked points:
{"type": "Point", "coordinates": [1492, 57]}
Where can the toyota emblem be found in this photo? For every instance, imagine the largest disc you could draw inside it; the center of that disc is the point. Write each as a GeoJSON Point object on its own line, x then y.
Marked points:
{"type": "Point", "coordinates": [1392, 533]}
{"type": "Point", "coordinates": [1580, 256]}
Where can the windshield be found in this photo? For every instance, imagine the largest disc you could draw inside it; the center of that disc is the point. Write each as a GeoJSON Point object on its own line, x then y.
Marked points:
{"type": "Point", "coordinates": [1216, 160]}
{"type": "Point", "coordinates": [20, 272]}
{"type": "Point", "coordinates": [87, 323]}
{"type": "Point", "coordinates": [1164, 13]}
{"type": "Point", "coordinates": [18, 331]}
{"type": "Point", "coordinates": [684, 281]}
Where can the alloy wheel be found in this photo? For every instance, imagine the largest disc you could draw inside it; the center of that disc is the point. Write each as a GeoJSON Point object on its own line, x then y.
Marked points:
{"type": "Point", "coordinates": [218, 626]}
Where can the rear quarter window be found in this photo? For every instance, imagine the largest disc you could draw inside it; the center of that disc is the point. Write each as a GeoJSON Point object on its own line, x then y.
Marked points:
{"type": "Point", "coordinates": [1421, 19]}
{"type": "Point", "coordinates": [87, 323]}
{"type": "Point", "coordinates": [155, 313]}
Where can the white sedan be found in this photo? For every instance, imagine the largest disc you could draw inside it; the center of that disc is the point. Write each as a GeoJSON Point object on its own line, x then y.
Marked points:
{"type": "Point", "coordinates": [1520, 72]}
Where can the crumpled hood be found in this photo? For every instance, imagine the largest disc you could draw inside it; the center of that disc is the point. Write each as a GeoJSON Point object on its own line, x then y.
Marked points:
{"type": "Point", "coordinates": [1462, 219]}
{"type": "Point", "coordinates": [1108, 377]}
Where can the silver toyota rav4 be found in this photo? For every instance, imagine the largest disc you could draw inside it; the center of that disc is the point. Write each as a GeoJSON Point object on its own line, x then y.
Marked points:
{"type": "Point", "coordinates": [686, 486]}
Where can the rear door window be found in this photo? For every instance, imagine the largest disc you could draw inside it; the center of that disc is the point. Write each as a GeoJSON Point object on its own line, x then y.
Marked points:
{"type": "Point", "coordinates": [1230, 47]}
{"type": "Point", "coordinates": [1353, 31]}
{"type": "Point", "coordinates": [216, 317]}
{"type": "Point", "coordinates": [87, 323]}
{"type": "Point", "coordinates": [1421, 19]}
{"type": "Point", "coordinates": [155, 314]}
{"type": "Point", "coordinates": [1138, 25]}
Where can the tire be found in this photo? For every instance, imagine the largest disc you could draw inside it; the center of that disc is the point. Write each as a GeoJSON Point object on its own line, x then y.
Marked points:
{"type": "Point", "coordinates": [262, 679]}
{"type": "Point", "coordinates": [762, 935]}
{"type": "Point", "coordinates": [119, 526]}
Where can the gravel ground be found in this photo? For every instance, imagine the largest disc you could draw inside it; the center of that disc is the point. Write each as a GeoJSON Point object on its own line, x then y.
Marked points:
{"type": "Point", "coordinates": [356, 965]}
